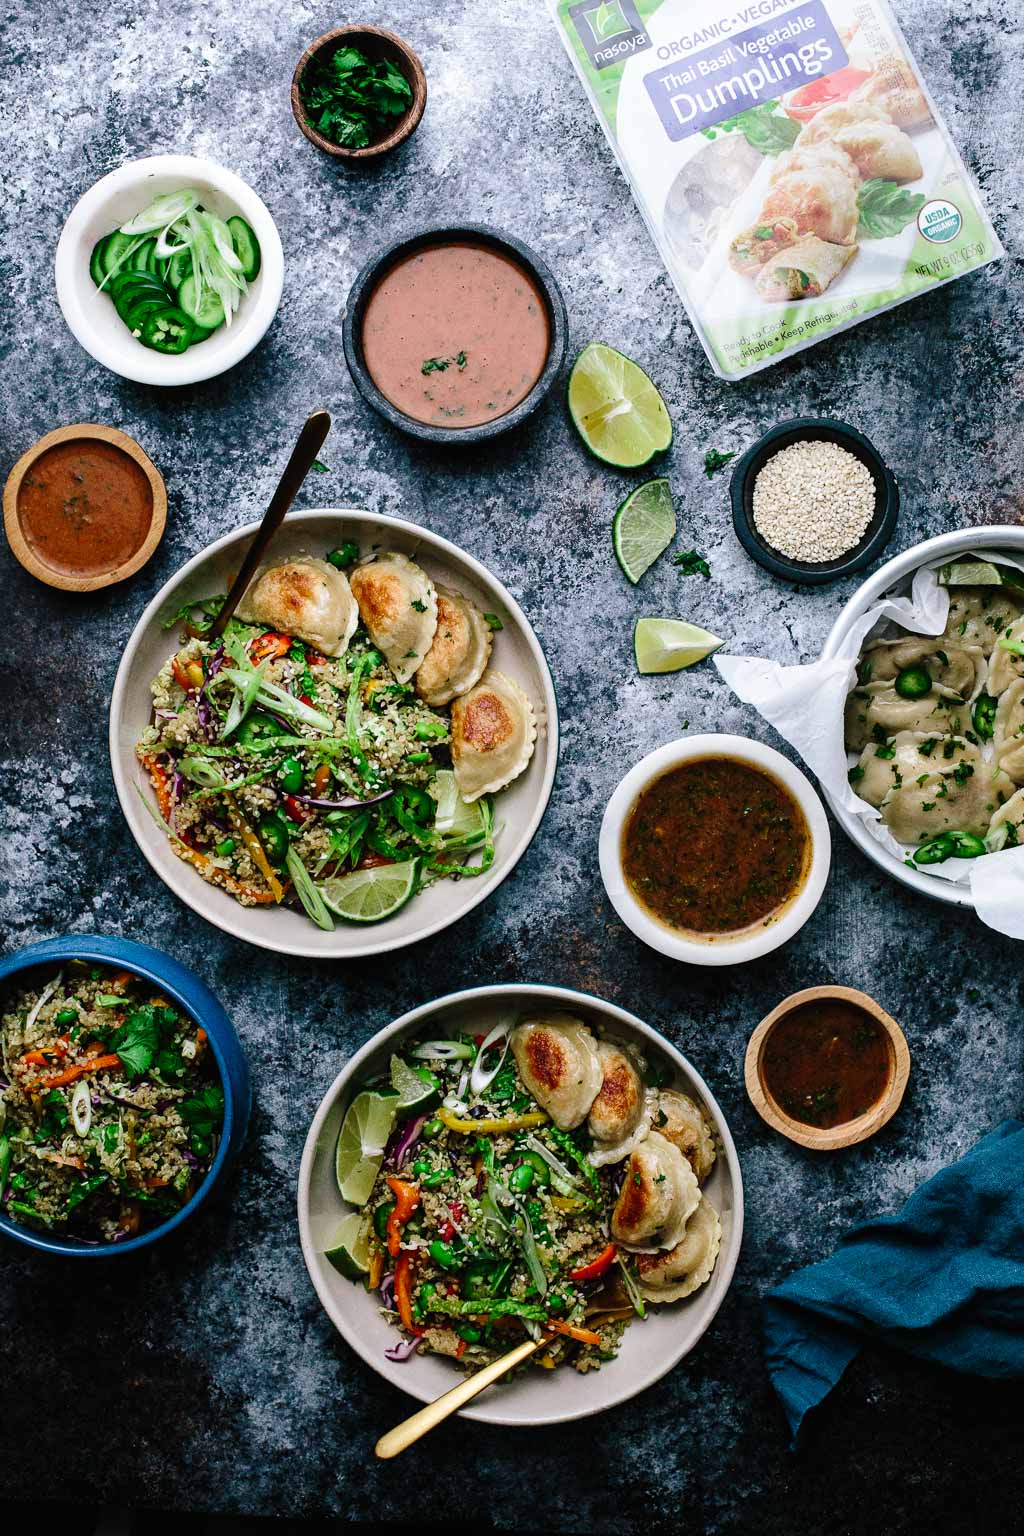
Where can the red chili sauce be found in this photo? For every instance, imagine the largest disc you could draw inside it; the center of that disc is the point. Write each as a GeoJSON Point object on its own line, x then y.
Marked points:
{"type": "Point", "coordinates": [455, 335]}
{"type": "Point", "coordinates": [715, 847]}
{"type": "Point", "coordinates": [85, 507]}
{"type": "Point", "coordinates": [827, 1062]}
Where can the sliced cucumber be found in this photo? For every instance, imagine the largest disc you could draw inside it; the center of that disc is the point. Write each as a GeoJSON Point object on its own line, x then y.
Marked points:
{"type": "Point", "coordinates": [247, 247]}
{"type": "Point", "coordinates": [116, 254]}
{"type": "Point", "coordinates": [144, 258]}
{"type": "Point", "coordinates": [179, 267]}
{"type": "Point", "coordinates": [97, 271]}
{"type": "Point", "coordinates": [207, 311]}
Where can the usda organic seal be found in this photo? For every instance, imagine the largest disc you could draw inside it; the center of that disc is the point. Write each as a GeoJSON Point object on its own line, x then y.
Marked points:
{"type": "Point", "coordinates": [940, 221]}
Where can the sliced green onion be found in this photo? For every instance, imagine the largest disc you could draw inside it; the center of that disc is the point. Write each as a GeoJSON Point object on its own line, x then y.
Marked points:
{"type": "Point", "coordinates": [564, 1180]}
{"type": "Point", "coordinates": [630, 1287]}
{"type": "Point", "coordinates": [307, 891]}
{"type": "Point", "coordinates": [200, 771]}
{"type": "Point", "coordinates": [162, 212]}
{"type": "Point", "coordinates": [81, 1109]}
{"type": "Point", "coordinates": [481, 1078]}
{"type": "Point", "coordinates": [530, 1250]}
{"type": "Point", "coordinates": [282, 702]}
{"type": "Point", "coordinates": [443, 1050]}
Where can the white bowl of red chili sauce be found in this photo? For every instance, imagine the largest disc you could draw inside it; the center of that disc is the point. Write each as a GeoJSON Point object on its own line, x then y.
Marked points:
{"type": "Point", "coordinates": [715, 850]}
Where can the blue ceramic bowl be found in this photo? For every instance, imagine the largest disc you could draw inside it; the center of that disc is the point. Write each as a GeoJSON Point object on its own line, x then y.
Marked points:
{"type": "Point", "coordinates": [194, 998]}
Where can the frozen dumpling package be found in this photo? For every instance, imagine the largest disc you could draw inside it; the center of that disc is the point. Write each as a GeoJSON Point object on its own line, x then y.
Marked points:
{"type": "Point", "coordinates": [787, 158]}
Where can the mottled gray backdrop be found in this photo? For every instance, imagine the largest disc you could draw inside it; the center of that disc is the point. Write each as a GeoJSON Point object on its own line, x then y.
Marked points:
{"type": "Point", "coordinates": [205, 1376]}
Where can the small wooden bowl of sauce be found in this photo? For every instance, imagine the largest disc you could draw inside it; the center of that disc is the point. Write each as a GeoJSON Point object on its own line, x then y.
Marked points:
{"type": "Point", "coordinates": [827, 1068]}
{"type": "Point", "coordinates": [84, 508]}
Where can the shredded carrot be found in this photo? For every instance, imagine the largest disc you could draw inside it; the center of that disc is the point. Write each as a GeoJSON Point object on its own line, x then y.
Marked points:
{"type": "Point", "coordinates": [72, 1074]}
{"type": "Point", "coordinates": [162, 789]}
{"type": "Point", "coordinates": [40, 1057]}
{"type": "Point", "coordinates": [201, 1035]}
{"type": "Point", "coordinates": [161, 784]}
{"type": "Point", "coordinates": [581, 1335]}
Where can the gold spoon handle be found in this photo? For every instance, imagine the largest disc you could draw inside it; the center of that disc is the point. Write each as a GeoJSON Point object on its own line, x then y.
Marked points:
{"type": "Point", "coordinates": [310, 441]}
{"type": "Point", "coordinates": [410, 1430]}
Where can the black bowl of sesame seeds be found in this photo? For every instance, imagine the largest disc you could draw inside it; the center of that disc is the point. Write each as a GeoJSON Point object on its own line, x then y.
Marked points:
{"type": "Point", "coordinates": [813, 500]}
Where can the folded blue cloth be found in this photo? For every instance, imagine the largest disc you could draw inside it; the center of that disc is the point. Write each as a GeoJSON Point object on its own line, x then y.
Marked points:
{"type": "Point", "coordinates": [943, 1279]}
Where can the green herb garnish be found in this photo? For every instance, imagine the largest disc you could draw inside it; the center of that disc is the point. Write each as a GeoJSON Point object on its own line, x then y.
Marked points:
{"type": "Point", "coordinates": [692, 564]}
{"type": "Point", "coordinates": [434, 365]}
{"type": "Point", "coordinates": [714, 461]}
{"type": "Point", "coordinates": [885, 208]}
{"type": "Point", "coordinates": [350, 100]}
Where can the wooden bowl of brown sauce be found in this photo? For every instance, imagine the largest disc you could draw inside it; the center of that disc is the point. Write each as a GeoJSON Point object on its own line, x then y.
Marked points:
{"type": "Point", "coordinates": [455, 334]}
{"type": "Point", "coordinates": [827, 1068]}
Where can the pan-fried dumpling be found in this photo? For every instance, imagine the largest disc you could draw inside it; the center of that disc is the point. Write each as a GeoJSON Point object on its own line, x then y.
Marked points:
{"type": "Point", "coordinates": [956, 671]}
{"type": "Point", "coordinates": [1004, 666]}
{"type": "Point", "coordinates": [685, 1268]}
{"type": "Point", "coordinates": [681, 1121]}
{"type": "Point", "coordinates": [303, 597]}
{"type": "Point", "coordinates": [620, 1116]}
{"type": "Point", "coordinates": [935, 784]}
{"type": "Point", "coordinates": [824, 125]}
{"type": "Point", "coordinates": [893, 88]}
{"type": "Point", "coordinates": [459, 652]}
{"type": "Point", "coordinates": [493, 733]}
{"type": "Point", "coordinates": [880, 150]}
{"type": "Point", "coordinates": [755, 246]}
{"type": "Point", "coordinates": [659, 1194]}
{"type": "Point", "coordinates": [821, 200]}
{"type": "Point", "coordinates": [559, 1064]}
{"type": "Point", "coordinates": [1008, 735]}
{"type": "Point", "coordinates": [876, 712]}
{"type": "Point", "coordinates": [398, 605]}
{"type": "Point", "coordinates": [979, 615]}
{"type": "Point", "coordinates": [1006, 829]}
{"type": "Point", "coordinates": [807, 157]}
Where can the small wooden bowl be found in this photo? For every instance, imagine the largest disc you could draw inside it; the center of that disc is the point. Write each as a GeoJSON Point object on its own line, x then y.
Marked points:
{"type": "Point", "coordinates": [66, 580]}
{"type": "Point", "coordinates": [376, 43]}
{"type": "Point", "coordinates": [852, 1131]}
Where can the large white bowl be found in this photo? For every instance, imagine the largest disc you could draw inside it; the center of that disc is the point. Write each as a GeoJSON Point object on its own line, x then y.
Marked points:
{"type": "Point", "coordinates": [723, 949]}
{"type": "Point", "coordinates": [110, 203]}
{"type": "Point", "coordinates": [518, 809]}
{"type": "Point", "coordinates": [947, 545]}
{"type": "Point", "coordinates": [649, 1348]}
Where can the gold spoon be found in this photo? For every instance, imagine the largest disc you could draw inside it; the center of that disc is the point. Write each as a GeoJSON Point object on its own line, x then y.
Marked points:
{"type": "Point", "coordinates": [310, 441]}
{"type": "Point", "coordinates": [412, 1429]}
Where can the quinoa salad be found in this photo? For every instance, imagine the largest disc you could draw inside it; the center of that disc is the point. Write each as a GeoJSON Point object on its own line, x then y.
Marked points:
{"type": "Point", "coordinates": [347, 762]}
{"type": "Point", "coordinates": [534, 1180]}
{"type": "Point", "coordinates": [111, 1106]}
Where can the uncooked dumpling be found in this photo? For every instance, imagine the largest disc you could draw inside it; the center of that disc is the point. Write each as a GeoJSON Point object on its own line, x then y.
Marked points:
{"type": "Point", "coordinates": [459, 652]}
{"type": "Point", "coordinates": [680, 1120]}
{"type": "Point", "coordinates": [979, 615]}
{"type": "Point", "coordinates": [880, 151]}
{"type": "Point", "coordinates": [683, 1269]}
{"type": "Point", "coordinates": [932, 784]}
{"type": "Point", "coordinates": [398, 605]}
{"type": "Point", "coordinates": [493, 734]}
{"type": "Point", "coordinates": [559, 1065]}
{"type": "Point", "coordinates": [1008, 735]}
{"type": "Point", "coordinates": [306, 598]}
{"type": "Point", "coordinates": [620, 1116]}
{"type": "Point", "coordinates": [956, 671]}
{"type": "Point", "coordinates": [876, 712]}
{"type": "Point", "coordinates": [1004, 666]}
{"type": "Point", "coordinates": [659, 1194]}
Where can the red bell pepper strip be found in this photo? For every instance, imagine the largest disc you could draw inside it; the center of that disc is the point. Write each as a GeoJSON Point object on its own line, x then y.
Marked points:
{"type": "Point", "coordinates": [407, 1198]}
{"type": "Point", "coordinates": [271, 644]}
{"type": "Point", "coordinates": [597, 1267]}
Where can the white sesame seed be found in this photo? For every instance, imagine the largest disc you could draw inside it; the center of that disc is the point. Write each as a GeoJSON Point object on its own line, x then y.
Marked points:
{"type": "Point", "coordinates": [813, 501]}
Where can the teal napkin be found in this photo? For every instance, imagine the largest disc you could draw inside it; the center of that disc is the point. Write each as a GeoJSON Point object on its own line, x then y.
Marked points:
{"type": "Point", "coordinates": [943, 1279]}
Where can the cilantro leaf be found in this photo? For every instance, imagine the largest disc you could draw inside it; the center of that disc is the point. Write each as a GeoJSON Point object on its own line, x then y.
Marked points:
{"type": "Point", "coordinates": [692, 564]}
{"type": "Point", "coordinates": [886, 208]}
{"type": "Point", "coordinates": [351, 100]}
{"type": "Point", "coordinates": [203, 1114]}
{"type": "Point", "coordinates": [434, 365]}
{"type": "Point", "coordinates": [137, 1040]}
{"type": "Point", "coordinates": [714, 461]}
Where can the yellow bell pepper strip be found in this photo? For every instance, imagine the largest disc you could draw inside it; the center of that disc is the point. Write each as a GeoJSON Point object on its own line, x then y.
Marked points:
{"type": "Point", "coordinates": [454, 1122]}
{"type": "Point", "coordinates": [597, 1267]}
{"type": "Point", "coordinates": [162, 789]}
{"type": "Point", "coordinates": [407, 1198]}
{"type": "Point", "coordinates": [375, 1272]}
{"type": "Point", "coordinates": [187, 674]}
{"type": "Point", "coordinates": [403, 1293]}
{"type": "Point", "coordinates": [581, 1335]}
{"type": "Point", "coordinates": [253, 847]}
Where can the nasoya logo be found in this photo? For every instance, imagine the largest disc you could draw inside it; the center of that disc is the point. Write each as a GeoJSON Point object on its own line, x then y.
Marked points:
{"type": "Point", "coordinates": [610, 30]}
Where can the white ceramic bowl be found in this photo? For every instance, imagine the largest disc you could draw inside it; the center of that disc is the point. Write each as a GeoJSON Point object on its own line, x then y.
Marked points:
{"type": "Point", "coordinates": [518, 809]}
{"type": "Point", "coordinates": [721, 950]}
{"type": "Point", "coordinates": [948, 545]}
{"type": "Point", "coordinates": [110, 203]}
{"type": "Point", "coordinates": [649, 1348]}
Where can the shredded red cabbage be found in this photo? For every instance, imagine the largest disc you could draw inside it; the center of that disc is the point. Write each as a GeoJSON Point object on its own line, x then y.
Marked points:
{"type": "Point", "coordinates": [402, 1351]}
{"type": "Point", "coordinates": [346, 803]}
{"type": "Point", "coordinates": [408, 1138]}
{"type": "Point", "coordinates": [387, 1290]}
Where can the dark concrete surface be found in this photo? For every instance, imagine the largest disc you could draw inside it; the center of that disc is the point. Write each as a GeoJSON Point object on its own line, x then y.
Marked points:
{"type": "Point", "coordinates": [205, 1375]}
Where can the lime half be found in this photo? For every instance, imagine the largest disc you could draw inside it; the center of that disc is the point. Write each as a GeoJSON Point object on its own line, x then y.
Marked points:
{"type": "Point", "coordinates": [365, 1129]}
{"type": "Point", "coordinates": [978, 573]}
{"type": "Point", "coordinates": [643, 527]}
{"type": "Point", "coordinates": [616, 409]}
{"type": "Point", "coordinates": [371, 895]}
{"type": "Point", "coordinates": [350, 1249]}
{"type": "Point", "coordinates": [454, 817]}
{"type": "Point", "coordinates": [669, 645]}
{"type": "Point", "coordinates": [416, 1087]}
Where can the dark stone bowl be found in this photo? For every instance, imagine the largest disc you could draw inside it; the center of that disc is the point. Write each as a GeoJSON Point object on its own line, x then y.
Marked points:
{"type": "Point", "coordinates": [814, 429]}
{"type": "Point", "coordinates": [374, 270]}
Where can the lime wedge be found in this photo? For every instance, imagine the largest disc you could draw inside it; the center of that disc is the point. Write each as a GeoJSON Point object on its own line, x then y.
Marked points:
{"type": "Point", "coordinates": [978, 573]}
{"type": "Point", "coordinates": [371, 895]}
{"type": "Point", "coordinates": [669, 645]}
{"type": "Point", "coordinates": [454, 817]}
{"type": "Point", "coordinates": [616, 409]}
{"type": "Point", "coordinates": [364, 1134]}
{"type": "Point", "coordinates": [416, 1087]}
{"type": "Point", "coordinates": [350, 1249]}
{"type": "Point", "coordinates": [643, 527]}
